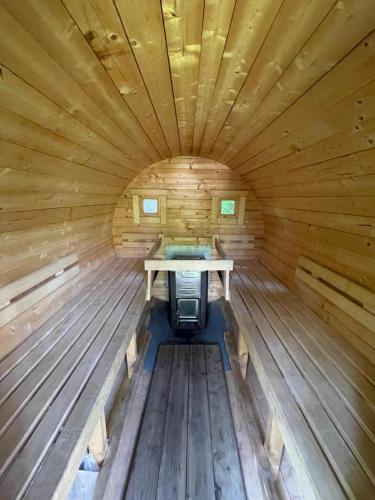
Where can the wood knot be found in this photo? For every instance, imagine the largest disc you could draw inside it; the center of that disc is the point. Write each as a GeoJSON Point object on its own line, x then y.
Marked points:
{"type": "Point", "coordinates": [89, 36]}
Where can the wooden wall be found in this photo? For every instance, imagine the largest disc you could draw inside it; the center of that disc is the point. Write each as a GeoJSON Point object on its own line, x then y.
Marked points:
{"type": "Point", "coordinates": [313, 170]}
{"type": "Point", "coordinates": [49, 207]}
{"type": "Point", "coordinates": [189, 185]}
{"type": "Point", "coordinates": [282, 91]}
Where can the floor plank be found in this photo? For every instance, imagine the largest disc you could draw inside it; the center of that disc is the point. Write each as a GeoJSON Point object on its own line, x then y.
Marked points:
{"type": "Point", "coordinates": [187, 447]}
{"type": "Point", "coordinates": [227, 469]}
{"type": "Point", "coordinates": [145, 474]}
{"type": "Point", "coordinates": [200, 472]}
{"type": "Point", "coordinates": [172, 475]}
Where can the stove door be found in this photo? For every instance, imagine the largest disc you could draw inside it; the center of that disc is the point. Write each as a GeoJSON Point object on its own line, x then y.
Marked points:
{"type": "Point", "coordinates": [188, 309]}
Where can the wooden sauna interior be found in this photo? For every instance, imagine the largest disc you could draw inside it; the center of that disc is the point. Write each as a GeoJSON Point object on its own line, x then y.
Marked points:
{"type": "Point", "coordinates": [106, 105]}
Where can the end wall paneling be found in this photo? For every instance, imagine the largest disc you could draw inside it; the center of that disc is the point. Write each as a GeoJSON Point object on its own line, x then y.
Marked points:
{"type": "Point", "coordinates": [192, 188]}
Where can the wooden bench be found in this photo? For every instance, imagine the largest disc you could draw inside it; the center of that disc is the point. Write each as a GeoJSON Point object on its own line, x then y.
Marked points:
{"type": "Point", "coordinates": [55, 386]}
{"type": "Point", "coordinates": [20, 295]}
{"type": "Point", "coordinates": [319, 388]}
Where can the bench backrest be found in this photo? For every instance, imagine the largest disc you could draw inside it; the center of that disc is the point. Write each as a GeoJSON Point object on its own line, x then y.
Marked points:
{"type": "Point", "coordinates": [21, 294]}
{"type": "Point", "coordinates": [354, 299]}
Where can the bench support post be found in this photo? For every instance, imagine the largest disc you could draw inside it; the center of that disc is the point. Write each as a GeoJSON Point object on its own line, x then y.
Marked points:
{"type": "Point", "coordinates": [243, 355]}
{"type": "Point", "coordinates": [149, 285]}
{"type": "Point", "coordinates": [98, 443]}
{"type": "Point", "coordinates": [131, 354]}
{"type": "Point", "coordinates": [226, 285]}
{"type": "Point", "coordinates": [274, 445]}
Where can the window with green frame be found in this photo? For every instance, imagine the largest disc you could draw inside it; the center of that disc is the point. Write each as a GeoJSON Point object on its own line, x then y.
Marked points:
{"type": "Point", "coordinates": [227, 207]}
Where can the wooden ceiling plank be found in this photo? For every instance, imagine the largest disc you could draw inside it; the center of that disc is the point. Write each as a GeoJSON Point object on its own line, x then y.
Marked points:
{"type": "Point", "coordinates": [352, 73]}
{"type": "Point", "coordinates": [344, 116]}
{"type": "Point", "coordinates": [17, 129]}
{"type": "Point", "coordinates": [346, 167]}
{"type": "Point", "coordinates": [183, 28]}
{"type": "Point", "coordinates": [19, 97]}
{"type": "Point", "coordinates": [355, 224]}
{"type": "Point", "coordinates": [98, 20]}
{"type": "Point", "coordinates": [12, 201]}
{"type": "Point", "coordinates": [18, 221]}
{"type": "Point", "coordinates": [295, 23]}
{"type": "Point", "coordinates": [22, 55]}
{"type": "Point", "coordinates": [339, 145]}
{"type": "Point", "coordinates": [249, 26]}
{"type": "Point", "coordinates": [323, 51]}
{"type": "Point", "coordinates": [51, 26]}
{"type": "Point", "coordinates": [216, 22]}
{"type": "Point", "coordinates": [17, 180]}
{"type": "Point", "coordinates": [143, 23]}
{"type": "Point", "coordinates": [361, 185]}
{"type": "Point", "coordinates": [365, 205]}
{"type": "Point", "coordinates": [22, 158]}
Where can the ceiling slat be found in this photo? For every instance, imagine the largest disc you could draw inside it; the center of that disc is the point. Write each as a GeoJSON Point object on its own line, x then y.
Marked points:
{"type": "Point", "coordinates": [301, 18]}
{"type": "Point", "coordinates": [183, 28]}
{"type": "Point", "coordinates": [143, 23]}
{"type": "Point", "coordinates": [317, 57]}
{"type": "Point", "coordinates": [216, 22]}
{"type": "Point", "coordinates": [100, 23]}
{"type": "Point", "coordinates": [50, 24]}
{"type": "Point", "coordinates": [250, 24]}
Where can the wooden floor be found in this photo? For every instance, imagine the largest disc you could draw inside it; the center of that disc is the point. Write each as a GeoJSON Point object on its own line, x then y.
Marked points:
{"type": "Point", "coordinates": [187, 446]}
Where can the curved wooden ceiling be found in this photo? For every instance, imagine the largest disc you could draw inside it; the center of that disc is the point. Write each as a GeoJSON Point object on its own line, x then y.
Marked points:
{"type": "Point", "coordinates": [140, 80]}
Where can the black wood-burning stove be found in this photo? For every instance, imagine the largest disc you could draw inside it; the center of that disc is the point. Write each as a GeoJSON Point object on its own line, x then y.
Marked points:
{"type": "Point", "coordinates": [188, 297]}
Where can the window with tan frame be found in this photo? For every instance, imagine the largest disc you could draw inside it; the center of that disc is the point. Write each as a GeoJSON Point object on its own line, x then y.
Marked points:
{"type": "Point", "coordinates": [150, 206]}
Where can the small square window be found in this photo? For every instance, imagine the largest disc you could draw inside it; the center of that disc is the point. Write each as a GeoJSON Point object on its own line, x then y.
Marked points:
{"type": "Point", "coordinates": [150, 206]}
{"type": "Point", "coordinates": [227, 207]}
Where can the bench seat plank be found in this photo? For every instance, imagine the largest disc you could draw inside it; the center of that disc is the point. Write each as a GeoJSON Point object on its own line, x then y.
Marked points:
{"type": "Point", "coordinates": [349, 427]}
{"type": "Point", "coordinates": [66, 353]}
{"type": "Point", "coordinates": [308, 372]}
{"type": "Point", "coordinates": [42, 348]}
{"type": "Point", "coordinates": [12, 359]}
{"type": "Point", "coordinates": [352, 364]}
{"type": "Point", "coordinates": [29, 415]}
{"type": "Point", "coordinates": [312, 465]}
{"type": "Point", "coordinates": [57, 473]}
